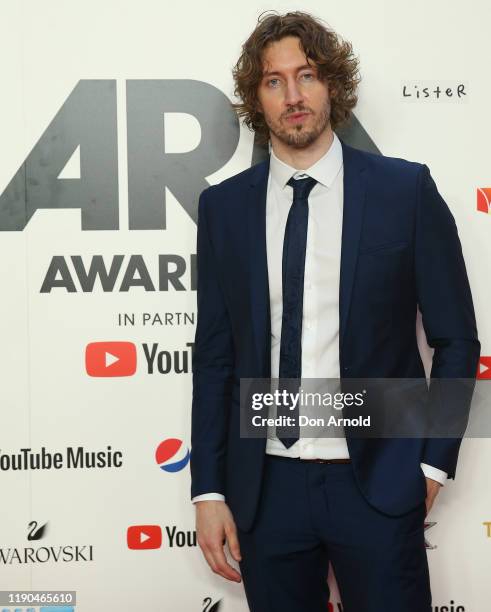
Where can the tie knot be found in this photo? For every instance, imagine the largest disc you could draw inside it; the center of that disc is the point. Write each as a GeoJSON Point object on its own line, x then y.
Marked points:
{"type": "Point", "coordinates": [302, 187]}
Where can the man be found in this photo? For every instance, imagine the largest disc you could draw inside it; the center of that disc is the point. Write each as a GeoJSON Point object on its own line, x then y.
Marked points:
{"type": "Point", "coordinates": [328, 250]}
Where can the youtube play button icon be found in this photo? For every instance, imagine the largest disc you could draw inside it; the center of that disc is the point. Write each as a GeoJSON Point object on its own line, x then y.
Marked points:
{"type": "Point", "coordinates": [144, 537]}
{"type": "Point", "coordinates": [484, 368]}
{"type": "Point", "coordinates": [106, 359]}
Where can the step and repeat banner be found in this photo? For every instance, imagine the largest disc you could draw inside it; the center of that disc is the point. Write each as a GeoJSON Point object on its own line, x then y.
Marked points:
{"type": "Point", "coordinates": [114, 116]}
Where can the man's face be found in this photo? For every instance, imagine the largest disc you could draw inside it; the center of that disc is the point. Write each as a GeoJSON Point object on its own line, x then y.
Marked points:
{"type": "Point", "coordinates": [294, 102]}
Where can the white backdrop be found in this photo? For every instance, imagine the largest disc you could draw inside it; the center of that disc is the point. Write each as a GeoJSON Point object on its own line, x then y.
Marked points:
{"type": "Point", "coordinates": [48, 400]}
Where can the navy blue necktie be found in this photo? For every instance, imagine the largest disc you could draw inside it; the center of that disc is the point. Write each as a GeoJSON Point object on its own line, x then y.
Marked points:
{"type": "Point", "coordinates": [293, 268]}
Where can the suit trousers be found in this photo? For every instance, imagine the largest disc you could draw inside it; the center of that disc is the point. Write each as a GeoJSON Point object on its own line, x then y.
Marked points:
{"type": "Point", "coordinates": [311, 514]}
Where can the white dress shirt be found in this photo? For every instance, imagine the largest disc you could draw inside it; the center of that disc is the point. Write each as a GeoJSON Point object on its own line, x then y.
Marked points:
{"type": "Point", "coordinates": [320, 321]}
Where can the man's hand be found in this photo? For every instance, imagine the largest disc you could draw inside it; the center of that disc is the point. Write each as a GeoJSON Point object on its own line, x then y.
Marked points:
{"type": "Point", "coordinates": [214, 525]}
{"type": "Point", "coordinates": [432, 488]}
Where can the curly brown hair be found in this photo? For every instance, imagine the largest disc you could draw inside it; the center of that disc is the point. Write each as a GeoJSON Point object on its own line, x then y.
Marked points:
{"type": "Point", "coordinates": [333, 56]}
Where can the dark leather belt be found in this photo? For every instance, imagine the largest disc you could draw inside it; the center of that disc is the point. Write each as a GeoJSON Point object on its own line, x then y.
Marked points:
{"type": "Point", "coordinates": [286, 458]}
{"type": "Point", "coordinates": [327, 460]}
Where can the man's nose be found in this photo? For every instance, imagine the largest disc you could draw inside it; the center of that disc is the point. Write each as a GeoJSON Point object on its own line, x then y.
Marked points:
{"type": "Point", "coordinates": [293, 94]}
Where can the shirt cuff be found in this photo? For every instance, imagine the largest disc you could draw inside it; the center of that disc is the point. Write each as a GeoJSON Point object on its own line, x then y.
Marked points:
{"type": "Point", "coordinates": [434, 473]}
{"type": "Point", "coordinates": [208, 497]}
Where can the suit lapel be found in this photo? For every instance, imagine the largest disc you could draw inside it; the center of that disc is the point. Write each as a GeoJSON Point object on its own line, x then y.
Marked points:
{"type": "Point", "coordinates": [354, 187]}
{"type": "Point", "coordinates": [353, 205]}
{"type": "Point", "coordinates": [258, 270]}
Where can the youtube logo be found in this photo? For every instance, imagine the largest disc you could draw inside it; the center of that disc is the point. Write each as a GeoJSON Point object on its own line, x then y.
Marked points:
{"type": "Point", "coordinates": [106, 359]}
{"type": "Point", "coordinates": [148, 537]}
{"type": "Point", "coordinates": [144, 537]}
{"type": "Point", "coordinates": [484, 199]}
{"type": "Point", "coordinates": [484, 368]}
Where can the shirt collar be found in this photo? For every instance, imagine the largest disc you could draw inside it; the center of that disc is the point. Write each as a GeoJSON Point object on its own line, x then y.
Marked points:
{"type": "Point", "coordinates": [324, 170]}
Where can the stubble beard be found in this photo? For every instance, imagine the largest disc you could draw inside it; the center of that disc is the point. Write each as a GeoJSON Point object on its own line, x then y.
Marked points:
{"type": "Point", "coordinates": [298, 136]}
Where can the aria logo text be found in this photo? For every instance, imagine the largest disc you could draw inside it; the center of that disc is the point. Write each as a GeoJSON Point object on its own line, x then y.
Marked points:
{"type": "Point", "coordinates": [119, 273]}
{"type": "Point", "coordinates": [87, 123]}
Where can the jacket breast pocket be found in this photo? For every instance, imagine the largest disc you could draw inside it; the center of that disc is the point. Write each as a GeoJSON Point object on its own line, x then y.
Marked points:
{"type": "Point", "coordinates": [383, 271]}
{"type": "Point", "coordinates": [385, 248]}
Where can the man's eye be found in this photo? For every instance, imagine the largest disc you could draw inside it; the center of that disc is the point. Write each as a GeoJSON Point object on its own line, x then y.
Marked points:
{"type": "Point", "coordinates": [273, 82]}
{"type": "Point", "coordinates": [308, 76]}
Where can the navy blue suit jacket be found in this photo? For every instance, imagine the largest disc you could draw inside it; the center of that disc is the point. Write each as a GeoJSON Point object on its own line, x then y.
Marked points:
{"type": "Point", "coordinates": [400, 248]}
